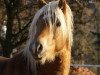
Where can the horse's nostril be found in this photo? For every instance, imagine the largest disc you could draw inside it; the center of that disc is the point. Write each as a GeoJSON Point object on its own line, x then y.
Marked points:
{"type": "Point", "coordinates": [39, 47]}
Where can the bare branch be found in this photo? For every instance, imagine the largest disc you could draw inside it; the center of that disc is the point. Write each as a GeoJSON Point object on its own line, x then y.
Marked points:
{"type": "Point", "coordinates": [24, 28]}
{"type": "Point", "coordinates": [20, 42]}
{"type": "Point", "coordinates": [79, 3]}
{"type": "Point", "coordinates": [26, 7]}
{"type": "Point", "coordinates": [18, 19]}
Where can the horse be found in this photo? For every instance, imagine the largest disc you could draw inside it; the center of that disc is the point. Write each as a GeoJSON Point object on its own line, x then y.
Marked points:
{"type": "Point", "coordinates": [48, 49]}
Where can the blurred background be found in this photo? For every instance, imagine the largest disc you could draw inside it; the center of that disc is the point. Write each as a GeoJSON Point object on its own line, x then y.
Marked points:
{"type": "Point", "coordinates": [16, 17]}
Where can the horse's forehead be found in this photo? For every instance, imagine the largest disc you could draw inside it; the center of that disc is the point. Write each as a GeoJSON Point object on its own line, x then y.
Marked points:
{"type": "Point", "coordinates": [41, 22]}
{"type": "Point", "coordinates": [45, 19]}
{"type": "Point", "coordinates": [47, 16]}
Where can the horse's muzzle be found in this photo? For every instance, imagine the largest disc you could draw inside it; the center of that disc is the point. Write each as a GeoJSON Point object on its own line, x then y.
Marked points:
{"type": "Point", "coordinates": [36, 49]}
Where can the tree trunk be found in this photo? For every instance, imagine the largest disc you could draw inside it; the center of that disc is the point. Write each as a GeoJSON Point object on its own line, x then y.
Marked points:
{"type": "Point", "coordinates": [7, 47]}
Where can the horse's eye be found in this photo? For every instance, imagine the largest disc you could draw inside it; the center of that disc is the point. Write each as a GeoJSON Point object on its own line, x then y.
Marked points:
{"type": "Point", "coordinates": [58, 24]}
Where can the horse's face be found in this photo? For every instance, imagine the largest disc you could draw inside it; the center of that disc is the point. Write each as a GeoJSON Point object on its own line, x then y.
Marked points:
{"type": "Point", "coordinates": [50, 34]}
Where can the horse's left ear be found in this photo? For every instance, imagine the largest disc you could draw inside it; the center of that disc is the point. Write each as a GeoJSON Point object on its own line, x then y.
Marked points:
{"type": "Point", "coordinates": [62, 5]}
{"type": "Point", "coordinates": [41, 3]}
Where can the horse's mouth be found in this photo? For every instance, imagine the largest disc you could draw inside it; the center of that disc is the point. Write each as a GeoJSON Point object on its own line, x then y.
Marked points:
{"type": "Point", "coordinates": [37, 58]}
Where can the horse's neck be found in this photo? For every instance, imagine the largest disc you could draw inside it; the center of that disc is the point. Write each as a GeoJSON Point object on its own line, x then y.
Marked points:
{"type": "Point", "coordinates": [18, 66]}
{"type": "Point", "coordinates": [60, 66]}
{"type": "Point", "coordinates": [15, 66]}
{"type": "Point", "coordinates": [48, 68]}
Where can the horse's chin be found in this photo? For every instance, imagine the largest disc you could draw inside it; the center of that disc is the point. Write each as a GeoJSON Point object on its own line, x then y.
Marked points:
{"type": "Point", "coordinates": [43, 60]}
{"type": "Point", "coordinates": [40, 60]}
{"type": "Point", "coordinates": [45, 56]}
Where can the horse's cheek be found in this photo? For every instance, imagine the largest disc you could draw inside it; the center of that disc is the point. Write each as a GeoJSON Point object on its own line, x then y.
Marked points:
{"type": "Point", "coordinates": [58, 40]}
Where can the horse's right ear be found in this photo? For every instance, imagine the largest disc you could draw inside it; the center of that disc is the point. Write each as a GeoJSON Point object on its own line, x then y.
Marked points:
{"type": "Point", "coordinates": [41, 3]}
{"type": "Point", "coordinates": [62, 5]}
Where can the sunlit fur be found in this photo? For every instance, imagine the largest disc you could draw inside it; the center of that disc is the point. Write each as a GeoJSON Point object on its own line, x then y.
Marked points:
{"type": "Point", "coordinates": [52, 38]}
